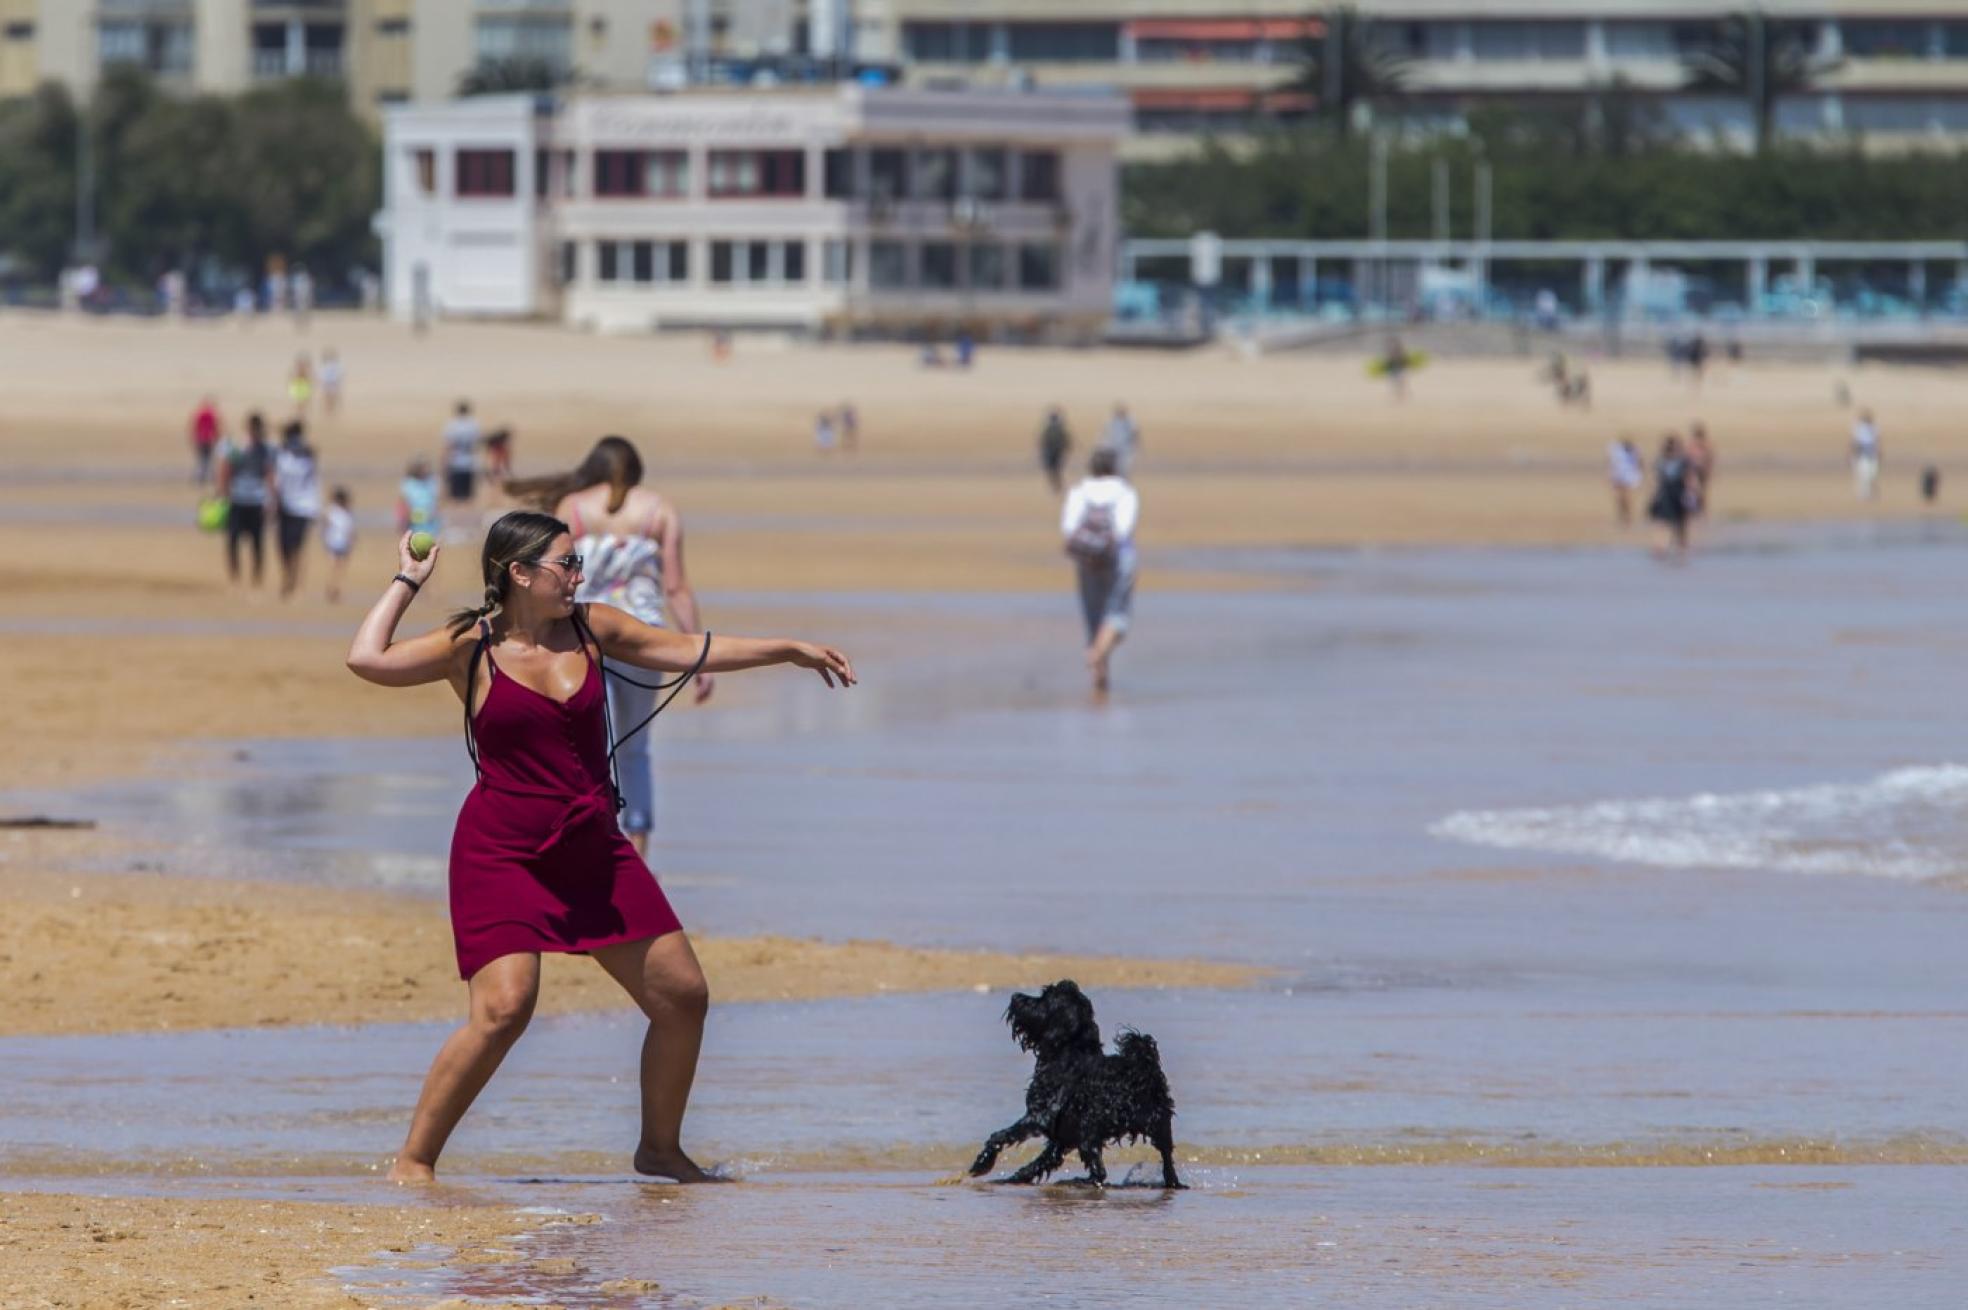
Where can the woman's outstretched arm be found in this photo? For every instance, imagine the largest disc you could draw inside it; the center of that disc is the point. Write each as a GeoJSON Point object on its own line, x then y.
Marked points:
{"type": "Point", "coordinates": [632, 641]}
{"type": "Point", "coordinates": [376, 656]}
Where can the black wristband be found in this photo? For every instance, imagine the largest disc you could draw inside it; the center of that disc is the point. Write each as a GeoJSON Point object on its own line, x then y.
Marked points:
{"type": "Point", "coordinates": [408, 581]}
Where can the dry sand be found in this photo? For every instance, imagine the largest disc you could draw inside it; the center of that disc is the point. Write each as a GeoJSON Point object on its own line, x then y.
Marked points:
{"type": "Point", "coordinates": [127, 640]}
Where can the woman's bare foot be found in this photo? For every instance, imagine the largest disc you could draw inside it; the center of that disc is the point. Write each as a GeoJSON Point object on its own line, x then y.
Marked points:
{"type": "Point", "coordinates": [409, 1171]}
{"type": "Point", "coordinates": [672, 1164]}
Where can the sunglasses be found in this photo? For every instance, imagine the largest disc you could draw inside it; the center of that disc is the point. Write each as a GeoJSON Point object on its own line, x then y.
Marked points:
{"type": "Point", "coordinates": [569, 563]}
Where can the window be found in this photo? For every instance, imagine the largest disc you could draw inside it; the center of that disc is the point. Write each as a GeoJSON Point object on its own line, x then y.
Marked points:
{"type": "Point", "coordinates": [678, 261]}
{"type": "Point", "coordinates": [660, 173]}
{"type": "Point", "coordinates": [1064, 42]}
{"type": "Point", "coordinates": [393, 97]}
{"type": "Point", "coordinates": [23, 31]}
{"type": "Point", "coordinates": [1038, 268]}
{"type": "Point", "coordinates": [569, 265]}
{"type": "Point", "coordinates": [609, 255]}
{"type": "Point", "coordinates": [888, 264]}
{"type": "Point", "coordinates": [392, 27]}
{"type": "Point", "coordinates": [939, 265]}
{"type": "Point", "coordinates": [838, 170]}
{"type": "Point", "coordinates": [424, 164]}
{"type": "Point", "coordinates": [935, 175]}
{"type": "Point", "coordinates": [758, 263]}
{"type": "Point", "coordinates": [484, 172]}
{"type": "Point", "coordinates": [547, 38]}
{"type": "Point", "coordinates": [888, 174]}
{"type": "Point", "coordinates": [642, 260]}
{"type": "Point", "coordinates": [1530, 41]}
{"type": "Point", "coordinates": [1038, 176]}
{"type": "Point", "coordinates": [988, 177]}
{"type": "Point", "coordinates": [1885, 39]}
{"type": "Point", "coordinates": [837, 262]}
{"type": "Point", "coordinates": [1954, 40]}
{"type": "Point", "coordinates": [947, 43]}
{"type": "Point", "coordinates": [987, 267]}
{"type": "Point", "coordinates": [758, 173]}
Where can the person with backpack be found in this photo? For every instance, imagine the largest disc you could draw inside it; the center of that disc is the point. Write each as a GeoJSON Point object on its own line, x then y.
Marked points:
{"type": "Point", "coordinates": [246, 483]}
{"type": "Point", "coordinates": [1098, 524]}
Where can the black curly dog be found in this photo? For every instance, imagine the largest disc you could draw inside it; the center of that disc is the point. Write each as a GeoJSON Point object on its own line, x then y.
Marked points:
{"type": "Point", "coordinates": [1080, 1097]}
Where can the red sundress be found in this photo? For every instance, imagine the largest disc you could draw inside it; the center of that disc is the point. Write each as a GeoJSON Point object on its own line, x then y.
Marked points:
{"type": "Point", "coordinates": [537, 860]}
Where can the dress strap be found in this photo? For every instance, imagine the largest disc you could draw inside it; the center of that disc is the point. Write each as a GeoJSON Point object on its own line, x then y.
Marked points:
{"type": "Point", "coordinates": [481, 651]}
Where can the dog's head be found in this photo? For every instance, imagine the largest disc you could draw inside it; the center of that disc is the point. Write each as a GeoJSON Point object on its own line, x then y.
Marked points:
{"type": "Point", "coordinates": [1057, 1020]}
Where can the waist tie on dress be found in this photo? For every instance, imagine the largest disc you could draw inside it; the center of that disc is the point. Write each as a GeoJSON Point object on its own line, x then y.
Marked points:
{"type": "Point", "coordinates": [582, 808]}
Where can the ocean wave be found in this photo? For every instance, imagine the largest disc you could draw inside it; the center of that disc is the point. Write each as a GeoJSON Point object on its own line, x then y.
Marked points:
{"type": "Point", "coordinates": [1910, 823]}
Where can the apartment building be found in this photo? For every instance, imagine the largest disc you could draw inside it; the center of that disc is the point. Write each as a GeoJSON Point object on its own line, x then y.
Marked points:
{"type": "Point", "coordinates": [1892, 70]}
{"type": "Point", "coordinates": [1895, 71]}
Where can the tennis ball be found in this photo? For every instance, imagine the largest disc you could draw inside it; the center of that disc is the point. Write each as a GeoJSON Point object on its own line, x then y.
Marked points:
{"type": "Point", "coordinates": [421, 545]}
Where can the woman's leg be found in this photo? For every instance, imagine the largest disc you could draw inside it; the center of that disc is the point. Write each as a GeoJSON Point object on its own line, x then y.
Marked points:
{"type": "Point", "coordinates": [662, 976]}
{"type": "Point", "coordinates": [502, 997]}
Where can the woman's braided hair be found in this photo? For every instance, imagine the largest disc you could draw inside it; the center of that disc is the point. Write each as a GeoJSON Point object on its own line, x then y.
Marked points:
{"type": "Point", "coordinates": [520, 537]}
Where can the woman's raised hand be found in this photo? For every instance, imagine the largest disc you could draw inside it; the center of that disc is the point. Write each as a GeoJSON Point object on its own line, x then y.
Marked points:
{"type": "Point", "coordinates": [824, 660]}
{"type": "Point", "coordinates": [410, 565]}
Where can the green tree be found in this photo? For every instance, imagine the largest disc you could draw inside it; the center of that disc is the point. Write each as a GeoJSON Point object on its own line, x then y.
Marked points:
{"type": "Point", "coordinates": [1349, 63]}
{"type": "Point", "coordinates": [37, 180]}
{"type": "Point", "coordinates": [1759, 60]}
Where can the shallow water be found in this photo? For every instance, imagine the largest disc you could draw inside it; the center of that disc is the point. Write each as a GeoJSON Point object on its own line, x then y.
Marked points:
{"type": "Point", "coordinates": [1561, 858]}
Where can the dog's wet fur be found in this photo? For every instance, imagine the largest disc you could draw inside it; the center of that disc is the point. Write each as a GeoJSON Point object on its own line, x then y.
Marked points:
{"type": "Point", "coordinates": [1080, 1097]}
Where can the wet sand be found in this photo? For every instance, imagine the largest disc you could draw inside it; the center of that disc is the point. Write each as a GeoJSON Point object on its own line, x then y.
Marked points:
{"type": "Point", "coordinates": [63, 1252]}
{"type": "Point", "coordinates": [96, 953]}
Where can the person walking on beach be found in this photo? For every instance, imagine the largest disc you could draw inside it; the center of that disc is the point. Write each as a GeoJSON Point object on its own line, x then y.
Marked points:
{"type": "Point", "coordinates": [1865, 456]}
{"type": "Point", "coordinates": [1701, 471]}
{"type": "Point", "coordinates": [850, 429]}
{"type": "Point", "coordinates": [300, 384]}
{"type": "Point", "coordinates": [823, 433]}
{"type": "Point", "coordinates": [297, 479]}
{"type": "Point", "coordinates": [330, 376]}
{"type": "Point", "coordinates": [1669, 507]}
{"type": "Point", "coordinates": [338, 538]}
{"type": "Point", "coordinates": [1627, 471]}
{"type": "Point", "coordinates": [632, 542]}
{"type": "Point", "coordinates": [461, 438]}
{"type": "Point", "coordinates": [205, 427]}
{"type": "Point", "coordinates": [1122, 435]}
{"type": "Point", "coordinates": [1054, 441]}
{"type": "Point", "coordinates": [1098, 523]}
{"type": "Point", "coordinates": [246, 481]}
{"type": "Point", "coordinates": [537, 863]}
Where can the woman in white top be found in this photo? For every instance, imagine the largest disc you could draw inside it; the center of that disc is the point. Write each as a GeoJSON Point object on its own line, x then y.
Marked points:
{"type": "Point", "coordinates": [1098, 525]}
{"type": "Point", "coordinates": [631, 543]}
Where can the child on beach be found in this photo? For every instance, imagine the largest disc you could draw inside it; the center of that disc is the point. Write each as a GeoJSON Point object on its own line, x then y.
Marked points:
{"type": "Point", "coordinates": [338, 535]}
{"type": "Point", "coordinates": [416, 499]}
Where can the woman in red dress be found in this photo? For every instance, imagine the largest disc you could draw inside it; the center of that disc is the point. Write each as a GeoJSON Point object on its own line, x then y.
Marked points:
{"type": "Point", "coordinates": [537, 861]}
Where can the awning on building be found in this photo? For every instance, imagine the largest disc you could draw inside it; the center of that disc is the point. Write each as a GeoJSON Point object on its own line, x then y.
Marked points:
{"type": "Point", "coordinates": [1224, 29]}
{"type": "Point", "coordinates": [1220, 99]}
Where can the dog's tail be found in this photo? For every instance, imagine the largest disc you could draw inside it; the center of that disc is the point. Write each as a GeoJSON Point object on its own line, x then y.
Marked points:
{"type": "Point", "coordinates": [1141, 1059]}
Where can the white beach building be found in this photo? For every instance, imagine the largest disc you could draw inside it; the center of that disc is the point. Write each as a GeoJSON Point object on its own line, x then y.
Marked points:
{"type": "Point", "coordinates": [841, 208]}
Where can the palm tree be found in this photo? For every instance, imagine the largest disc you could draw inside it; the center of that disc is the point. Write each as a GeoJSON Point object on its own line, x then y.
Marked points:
{"type": "Point", "coordinates": [491, 77]}
{"type": "Point", "coordinates": [1760, 60]}
{"type": "Point", "coordinates": [1347, 64]}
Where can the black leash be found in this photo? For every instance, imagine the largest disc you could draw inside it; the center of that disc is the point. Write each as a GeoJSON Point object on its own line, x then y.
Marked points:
{"type": "Point", "coordinates": [674, 686]}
